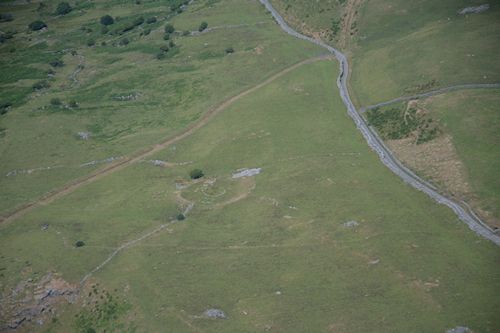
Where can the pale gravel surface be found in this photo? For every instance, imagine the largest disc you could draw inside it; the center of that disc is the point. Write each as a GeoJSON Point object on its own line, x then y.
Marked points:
{"type": "Point", "coordinates": [377, 145]}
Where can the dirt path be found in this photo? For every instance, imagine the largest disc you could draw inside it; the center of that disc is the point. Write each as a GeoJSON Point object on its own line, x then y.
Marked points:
{"type": "Point", "coordinates": [351, 10]}
{"type": "Point", "coordinates": [138, 156]}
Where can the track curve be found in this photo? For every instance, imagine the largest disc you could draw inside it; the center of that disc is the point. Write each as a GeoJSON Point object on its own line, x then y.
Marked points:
{"type": "Point", "coordinates": [377, 145]}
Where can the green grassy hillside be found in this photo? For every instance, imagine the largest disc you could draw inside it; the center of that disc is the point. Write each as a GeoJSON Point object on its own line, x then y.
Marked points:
{"type": "Point", "coordinates": [273, 251]}
{"type": "Point", "coordinates": [126, 99]}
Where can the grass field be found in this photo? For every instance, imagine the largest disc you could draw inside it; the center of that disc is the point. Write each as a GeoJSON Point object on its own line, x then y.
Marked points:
{"type": "Point", "coordinates": [403, 48]}
{"type": "Point", "coordinates": [473, 120]}
{"type": "Point", "coordinates": [166, 95]}
{"type": "Point", "coordinates": [279, 259]}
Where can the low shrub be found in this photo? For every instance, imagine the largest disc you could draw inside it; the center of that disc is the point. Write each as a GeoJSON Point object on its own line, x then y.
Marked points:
{"type": "Point", "coordinates": [107, 20]}
{"type": "Point", "coordinates": [196, 174]}
{"type": "Point", "coordinates": [63, 8]}
{"type": "Point", "coordinates": [202, 26]}
{"type": "Point", "coordinates": [37, 25]}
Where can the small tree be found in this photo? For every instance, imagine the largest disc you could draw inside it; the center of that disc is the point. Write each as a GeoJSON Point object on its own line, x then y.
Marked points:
{"type": "Point", "coordinates": [180, 217]}
{"type": "Point", "coordinates": [107, 20]}
{"type": "Point", "coordinates": [55, 102]}
{"type": "Point", "coordinates": [169, 28]}
{"type": "Point", "coordinates": [229, 50]}
{"type": "Point", "coordinates": [196, 174]}
{"type": "Point", "coordinates": [79, 243]}
{"type": "Point", "coordinates": [37, 25]}
{"type": "Point", "coordinates": [203, 26]}
{"type": "Point", "coordinates": [63, 8]}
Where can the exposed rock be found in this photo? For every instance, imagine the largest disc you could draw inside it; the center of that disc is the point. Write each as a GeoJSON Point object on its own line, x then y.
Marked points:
{"type": "Point", "coordinates": [32, 302]}
{"type": "Point", "coordinates": [350, 224]}
{"type": "Point", "coordinates": [215, 313]}
{"type": "Point", "coordinates": [459, 329]}
{"type": "Point", "coordinates": [246, 172]}
{"type": "Point", "coordinates": [84, 135]}
{"type": "Point", "coordinates": [474, 10]}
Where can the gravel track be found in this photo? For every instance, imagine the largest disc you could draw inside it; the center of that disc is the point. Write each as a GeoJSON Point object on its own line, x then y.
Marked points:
{"type": "Point", "coordinates": [377, 145]}
{"type": "Point", "coordinates": [433, 93]}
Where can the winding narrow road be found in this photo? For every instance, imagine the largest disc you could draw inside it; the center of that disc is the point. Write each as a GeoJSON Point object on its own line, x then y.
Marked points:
{"type": "Point", "coordinates": [376, 144]}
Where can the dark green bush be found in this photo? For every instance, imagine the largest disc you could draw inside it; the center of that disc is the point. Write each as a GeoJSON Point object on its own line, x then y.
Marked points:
{"type": "Point", "coordinates": [5, 107]}
{"type": "Point", "coordinates": [37, 25]}
{"type": "Point", "coordinates": [124, 41]}
{"type": "Point", "coordinates": [229, 50]}
{"type": "Point", "coordinates": [180, 217]}
{"type": "Point", "coordinates": [55, 102]}
{"type": "Point", "coordinates": [151, 20]}
{"type": "Point", "coordinates": [196, 173]}
{"type": "Point", "coordinates": [90, 42]}
{"type": "Point", "coordinates": [63, 8]}
{"type": "Point", "coordinates": [104, 30]}
{"type": "Point", "coordinates": [79, 243]}
{"type": "Point", "coordinates": [161, 55]}
{"type": "Point", "coordinates": [107, 20]}
{"type": "Point", "coordinates": [203, 26]}
{"type": "Point", "coordinates": [56, 63]}
{"type": "Point", "coordinates": [171, 44]}
{"type": "Point", "coordinates": [166, 36]}
{"type": "Point", "coordinates": [169, 28]}
{"type": "Point", "coordinates": [164, 48]}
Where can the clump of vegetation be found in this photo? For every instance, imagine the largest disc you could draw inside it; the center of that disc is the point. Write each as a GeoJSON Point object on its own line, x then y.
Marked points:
{"type": "Point", "coordinates": [40, 85]}
{"type": "Point", "coordinates": [124, 41]}
{"type": "Point", "coordinates": [146, 32]}
{"type": "Point", "coordinates": [151, 20]}
{"type": "Point", "coordinates": [422, 87]}
{"type": "Point", "coordinates": [335, 27]}
{"type": "Point", "coordinates": [90, 42]}
{"type": "Point", "coordinates": [80, 243]}
{"type": "Point", "coordinates": [37, 25]}
{"type": "Point", "coordinates": [229, 50]}
{"type": "Point", "coordinates": [180, 217]}
{"type": "Point", "coordinates": [104, 30]}
{"type": "Point", "coordinates": [196, 174]}
{"type": "Point", "coordinates": [56, 63]}
{"type": "Point", "coordinates": [101, 313]}
{"type": "Point", "coordinates": [55, 102]}
{"type": "Point", "coordinates": [107, 20]}
{"type": "Point", "coordinates": [169, 28]}
{"type": "Point", "coordinates": [73, 104]}
{"type": "Point", "coordinates": [203, 26]}
{"type": "Point", "coordinates": [397, 123]}
{"type": "Point", "coordinates": [63, 8]}
{"type": "Point", "coordinates": [166, 36]}
{"type": "Point", "coordinates": [6, 17]}
{"type": "Point", "coordinates": [5, 107]}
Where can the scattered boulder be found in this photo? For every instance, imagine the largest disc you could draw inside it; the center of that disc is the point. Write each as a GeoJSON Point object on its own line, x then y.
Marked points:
{"type": "Point", "coordinates": [350, 224]}
{"type": "Point", "coordinates": [215, 313]}
{"type": "Point", "coordinates": [474, 10]}
{"type": "Point", "coordinates": [84, 135]}
{"type": "Point", "coordinates": [459, 329]}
